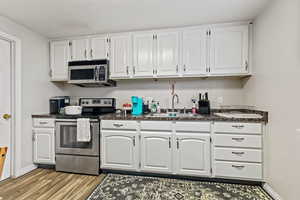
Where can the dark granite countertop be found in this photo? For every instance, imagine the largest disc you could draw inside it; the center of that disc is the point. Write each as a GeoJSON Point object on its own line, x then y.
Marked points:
{"type": "Point", "coordinates": [211, 117]}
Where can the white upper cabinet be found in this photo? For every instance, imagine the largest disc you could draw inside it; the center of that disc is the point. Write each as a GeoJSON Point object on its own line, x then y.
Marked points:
{"type": "Point", "coordinates": [156, 152]}
{"type": "Point", "coordinates": [194, 52]}
{"type": "Point", "coordinates": [229, 50]}
{"type": "Point", "coordinates": [167, 54]}
{"type": "Point", "coordinates": [99, 48]}
{"type": "Point", "coordinates": [193, 154]}
{"type": "Point", "coordinates": [59, 58]}
{"type": "Point", "coordinates": [143, 54]}
{"type": "Point", "coordinates": [80, 49]}
{"type": "Point", "coordinates": [121, 56]}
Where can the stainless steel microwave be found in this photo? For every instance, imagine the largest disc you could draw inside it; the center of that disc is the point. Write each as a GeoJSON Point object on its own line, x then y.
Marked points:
{"type": "Point", "coordinates": [92, 73]}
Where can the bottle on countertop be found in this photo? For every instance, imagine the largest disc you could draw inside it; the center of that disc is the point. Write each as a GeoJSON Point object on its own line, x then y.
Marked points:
{"type": "Point", "coordinates": [158, 108]}
{"type": "Point", "coordinates": [194, 109]}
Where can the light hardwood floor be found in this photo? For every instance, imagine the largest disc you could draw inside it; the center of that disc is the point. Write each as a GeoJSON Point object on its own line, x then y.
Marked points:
{"type": "Point", "coordinates": [45, 184]}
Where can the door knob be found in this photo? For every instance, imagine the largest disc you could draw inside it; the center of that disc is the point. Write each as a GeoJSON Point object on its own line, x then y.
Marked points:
{"type": "Point", "coordinates": [6, 116]}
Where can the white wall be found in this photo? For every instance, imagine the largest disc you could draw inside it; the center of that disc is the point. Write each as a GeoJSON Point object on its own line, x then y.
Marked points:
{"type": "Point", "coordinates": [275, 88]}
{"type": "Point", "coordinates": [36, 88]}
{"type": "Point", "coordinates": [230, 89]}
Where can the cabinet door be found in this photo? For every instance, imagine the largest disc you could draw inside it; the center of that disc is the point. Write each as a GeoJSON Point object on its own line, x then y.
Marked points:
{"type": "Point", "coordinates": [194, 53]}
{"type": "Point", "coordinates": [80, 49]}
{"type": "Point", "coordinates": [192, 154]}
{"type": "Point", "coordinates": [99, 48]}
{"type": "Point", "coordinates": [119, 150]}
{"type": "Point", "coordinates": [121, 56]}
{"type": "Point", "coordinates": [143, 55]}
{"type": "Point", "coordinates": [156, 152]}
{"type": "Point", "coordinates": [229, 50]}
{"type": "Point", "coordinates": [167, 53]}
{"type": "Point", "coordinates": [44, 152]}
{"type": "Point", "coordinates": [60, 55]}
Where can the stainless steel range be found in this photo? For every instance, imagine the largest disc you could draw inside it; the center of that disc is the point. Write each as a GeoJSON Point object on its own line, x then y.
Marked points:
{"type": "Point", "coordinates": [76, 156]}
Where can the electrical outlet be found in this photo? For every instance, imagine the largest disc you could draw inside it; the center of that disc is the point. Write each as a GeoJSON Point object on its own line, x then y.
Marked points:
{"type": "Point", "coordinates": [220, 100]}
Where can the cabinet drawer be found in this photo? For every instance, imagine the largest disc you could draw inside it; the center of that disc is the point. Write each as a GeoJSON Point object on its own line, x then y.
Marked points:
{"type": "Point", "coordinates": [244, 155]}
{"type": "Point", "coordinates": [193, 126]}
{"type": "Point", "coordinates": [248, 128]}
{"type": "Point", "coordinates": [238, 170]}
{"type": "Point", "coordinates": [230, 140]}
{"type": "Point", "coordinates": [156, 125]}
{"type": "Point", "coordinates": [43, 123]}
{"type": "Point", "coordinates": [118, 124]}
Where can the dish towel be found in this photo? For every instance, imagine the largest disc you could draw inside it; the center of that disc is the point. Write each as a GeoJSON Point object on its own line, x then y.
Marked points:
{"type": "Point", "coordinates": [83, 130]}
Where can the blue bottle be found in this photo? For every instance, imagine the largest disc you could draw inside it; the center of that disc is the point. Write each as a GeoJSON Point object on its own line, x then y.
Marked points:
{"type": "Point", "coordinates": [137, 105]}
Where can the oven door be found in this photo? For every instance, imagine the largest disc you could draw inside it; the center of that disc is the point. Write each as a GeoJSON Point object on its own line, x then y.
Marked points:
{"type": "Point", "coordinates": [66, 139]}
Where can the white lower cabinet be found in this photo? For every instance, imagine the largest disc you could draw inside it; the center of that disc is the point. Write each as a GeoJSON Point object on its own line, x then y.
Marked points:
{"type": "Point", "coordinates": [156, 152]}
{"type": "Point", "coordinates": [192, 154]}
{"type": "Point", "coordinates": [119, 150]}
{"type": "Point", "coordinates": [44, 146]}
{"type": "Point", "coordinates": [183, 148]}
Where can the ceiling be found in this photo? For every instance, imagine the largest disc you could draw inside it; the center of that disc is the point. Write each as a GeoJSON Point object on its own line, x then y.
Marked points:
{"type": "Point", "coordinates": [60, 18]}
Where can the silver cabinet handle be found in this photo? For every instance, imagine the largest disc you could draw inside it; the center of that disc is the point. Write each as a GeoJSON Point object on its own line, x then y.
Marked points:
{"type": "Point", "coordinates": [156, 71]}
{"type": "Point", "coordinates": [43, 123]}
{"type": "Point", "coordinates": [153, 71]}
{"type": "Point", "coordinates": [170, 142]}
{"type": "Point", "coordinates": [238, 166]}
{"type": "Point", "coordinates": [184, 67]}
{"type": "Point", "coordinates": [177, 141]}
{"type": "Point", "coordinates": [91, 53]}
{"type": "Point", "coordinates": [85, 53]}
{"type": "Point", "coordinates": [133, 69]}
{"type": "Point", "coordinates": [238, 153]}
{"type": "Point", "coordinates": [246, 65]}
{"type": "Point", "coordinates": [238, 126]}
{"type": "Point", "coordinates": [238, 139]}
{"type": "Point", "coordinates": [118, 125]}
{"type": "Point", "coordinates": [133, 140]}
{"type": "Point", "coordinates": [127, 70]}
{"type": "Point", "coordinates": [177, 69]}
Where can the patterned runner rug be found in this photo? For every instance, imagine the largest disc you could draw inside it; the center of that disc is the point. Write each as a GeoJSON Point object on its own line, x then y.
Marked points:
{"type": "Point", "coordinates": [126, 187]}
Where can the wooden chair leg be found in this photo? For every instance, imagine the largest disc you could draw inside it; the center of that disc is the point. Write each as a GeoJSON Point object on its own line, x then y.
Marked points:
{"type": "Point", "coordinates": [3, 151]}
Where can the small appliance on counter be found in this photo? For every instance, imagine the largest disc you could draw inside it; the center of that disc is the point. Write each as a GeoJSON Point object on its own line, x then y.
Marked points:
{"type": "Point", "coordinates": [203, 104]}
{"type": "Point", "coordinates": [57, 103]}
{"type": "Point", "coordinates": [72, 154]}
{"type": "Point", "coordinates": [137, 105]}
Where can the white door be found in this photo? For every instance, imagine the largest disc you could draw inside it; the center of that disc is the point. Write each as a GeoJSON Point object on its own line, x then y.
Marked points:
{"type": "Point", "coordinates": [119, 150]}
{"type": "Point", "coordinates": [5, 104]}
{"type": "Point", "coordinates": [167, 53]}
{"type": "Point", "coordinates": [60, 55]}
{"type": "Point", "coordinates": [156, 152]}
{"type": "Point", "coordinates": [143, 55]}
{"type": "Point", "coordinates": [99, 48]}
{"type": "Point", "coordinates": [80, 49]}
{"type": "Point", "coordinates": [194, 53]}
{"type": "Point", "coordinates": [44, 148]}
{"type": "Point", "coordinates": [229, 50]}
{"type": "Point", "coordinates": [192, 154]}
{"type": "Point", "coordinates": [121, 56]}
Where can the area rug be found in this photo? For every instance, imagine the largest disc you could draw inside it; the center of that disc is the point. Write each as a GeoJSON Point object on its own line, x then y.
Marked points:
{"type": "Point", "coordinates": [126, 187]}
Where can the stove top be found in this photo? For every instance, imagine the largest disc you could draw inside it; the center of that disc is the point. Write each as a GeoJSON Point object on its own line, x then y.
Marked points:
{"type": "Point", "coordinates": [62, 116]}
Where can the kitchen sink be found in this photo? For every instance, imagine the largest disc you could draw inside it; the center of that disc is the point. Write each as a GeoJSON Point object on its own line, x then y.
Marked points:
{"type": "Point", "coordinates": [175, 115]}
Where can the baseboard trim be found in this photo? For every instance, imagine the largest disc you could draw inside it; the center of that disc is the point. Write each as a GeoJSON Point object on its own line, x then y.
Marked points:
{"type": "Point", "coordinates": [25, 170]}
{"type": "Point", "coordinates": [271, 192]}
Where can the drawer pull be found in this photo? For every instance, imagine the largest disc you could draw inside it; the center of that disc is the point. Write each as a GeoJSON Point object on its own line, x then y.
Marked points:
{"type": "Point", "coordinates": [238, 166]}
{"type": "Point", "coordinates": [238, 153]}
{"type": "Point", "coordinates": [42, 123]}
{"type": "Point", "coordinates": [118, 125]}
{"type": "Point", "coordinates": [238, 126]}
{"type": "Point", "coordinates": [238, 139]}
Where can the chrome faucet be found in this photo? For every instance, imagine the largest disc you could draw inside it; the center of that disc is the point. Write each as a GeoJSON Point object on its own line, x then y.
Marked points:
{"type": "Point", "coordinates": [173, 99]}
